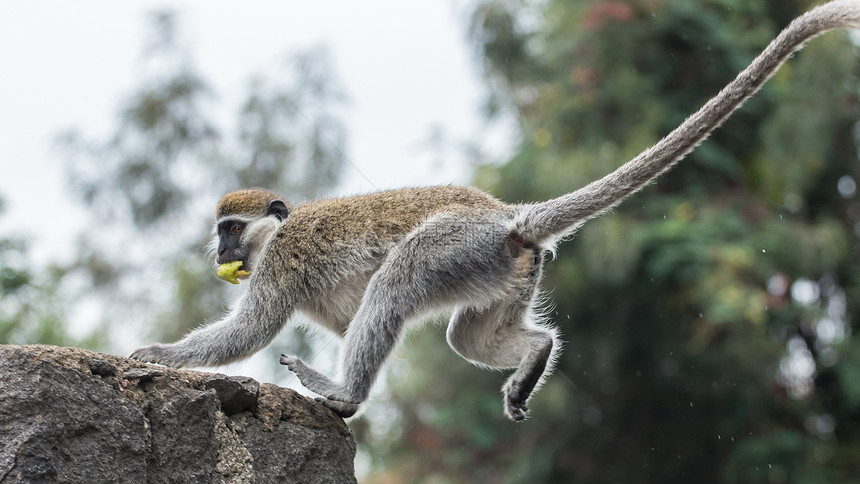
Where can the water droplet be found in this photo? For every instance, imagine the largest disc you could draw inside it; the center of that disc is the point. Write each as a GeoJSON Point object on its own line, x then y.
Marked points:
{"type": "Point", "coordinates": [847, 186]}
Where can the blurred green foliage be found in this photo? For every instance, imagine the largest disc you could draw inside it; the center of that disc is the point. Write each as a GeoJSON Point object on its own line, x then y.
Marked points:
{"type": "Point", "coordinates": [711, 319]}
{"type": "Point", "coordinates": [33, 306]}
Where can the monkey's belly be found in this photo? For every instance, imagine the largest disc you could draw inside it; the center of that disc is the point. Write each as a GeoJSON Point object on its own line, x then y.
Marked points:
{"type": "Point", "coordinates": [335, 308]}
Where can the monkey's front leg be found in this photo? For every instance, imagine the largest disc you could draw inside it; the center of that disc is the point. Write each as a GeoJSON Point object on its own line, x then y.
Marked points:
{"type": "Point", "coordinates": [333, 395]}
{"type": "Point", "coordinates": [253, 325]}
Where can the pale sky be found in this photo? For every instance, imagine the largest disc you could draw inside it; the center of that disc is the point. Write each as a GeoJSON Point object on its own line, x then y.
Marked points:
{"type": "Point", "coordinates": [405, 67]}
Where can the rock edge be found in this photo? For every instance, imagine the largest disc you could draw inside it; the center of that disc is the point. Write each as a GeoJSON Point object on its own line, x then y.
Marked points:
{"type": "Point", "coordinates": [72, 415]}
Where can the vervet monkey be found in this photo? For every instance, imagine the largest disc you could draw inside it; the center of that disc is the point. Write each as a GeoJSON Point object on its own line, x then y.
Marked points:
{"type": "Point", "coordinates": [364, 266]}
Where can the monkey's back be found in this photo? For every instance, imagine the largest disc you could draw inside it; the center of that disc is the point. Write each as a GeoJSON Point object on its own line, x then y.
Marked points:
{"type": "Point", "coordinates": [322, 242]}
{"type": "Point", "coordinates": [387, 214]}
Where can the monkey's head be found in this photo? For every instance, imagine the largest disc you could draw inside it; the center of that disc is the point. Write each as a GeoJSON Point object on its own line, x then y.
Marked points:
{"type": "Point", "coordinates": [244, 221]}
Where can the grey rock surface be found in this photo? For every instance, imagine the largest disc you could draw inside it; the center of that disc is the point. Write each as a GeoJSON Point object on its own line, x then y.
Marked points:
{"type": "Point", "coordinates": [71, 415]}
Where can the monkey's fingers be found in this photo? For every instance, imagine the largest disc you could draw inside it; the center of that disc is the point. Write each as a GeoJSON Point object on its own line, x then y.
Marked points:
{"type": "Point", "coordinates": [155, 353]}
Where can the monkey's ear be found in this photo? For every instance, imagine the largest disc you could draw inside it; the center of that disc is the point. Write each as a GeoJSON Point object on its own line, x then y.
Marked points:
{"type": "Point", "coordinates": [278, 208]}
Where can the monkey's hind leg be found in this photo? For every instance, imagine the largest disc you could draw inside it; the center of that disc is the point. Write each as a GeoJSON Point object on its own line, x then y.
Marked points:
{"type": "Point", "coordinates": [509, 334]}
{"type": "Point", "coordinates": [501, 338]}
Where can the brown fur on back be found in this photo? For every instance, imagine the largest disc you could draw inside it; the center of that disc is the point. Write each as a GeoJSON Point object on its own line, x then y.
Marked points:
{"type": "Point", "coordinates": [322, 242]}
{"type": "Point", "coordinates": [387, 214]}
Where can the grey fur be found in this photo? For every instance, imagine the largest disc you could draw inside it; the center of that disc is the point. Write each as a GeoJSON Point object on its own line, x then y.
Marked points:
{"type": "Point", "coordinates": [364, 266]}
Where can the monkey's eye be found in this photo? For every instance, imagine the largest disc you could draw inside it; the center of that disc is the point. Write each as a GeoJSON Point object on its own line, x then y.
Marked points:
{"type": "Point", "coordinates": [235, 229]}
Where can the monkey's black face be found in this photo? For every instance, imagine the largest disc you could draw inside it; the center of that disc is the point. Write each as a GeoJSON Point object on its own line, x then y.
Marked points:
{"type": "Point", "coordinates": [230, 247]}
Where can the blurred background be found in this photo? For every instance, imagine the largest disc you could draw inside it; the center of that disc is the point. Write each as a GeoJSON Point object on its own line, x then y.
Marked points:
{"type": "Point", "coordinates": [710, 320]}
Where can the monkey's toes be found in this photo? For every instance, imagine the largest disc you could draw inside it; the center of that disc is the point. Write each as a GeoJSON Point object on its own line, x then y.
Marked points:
{"type": "Point", "coordinates": [515, 403]}
{"type": "Point", "coordinates": [290, 361]}
{"type": "Point", "coordinates": [342, 409]}
{"type": "Point", "coordinates": [297, 366]}
{"type": "Point", "coordinates": [515, 411]}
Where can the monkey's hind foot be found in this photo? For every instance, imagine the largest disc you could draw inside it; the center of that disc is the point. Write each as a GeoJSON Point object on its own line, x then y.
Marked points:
{"type": "Point", "coordinates": [342, 409]}
{"type": "Point", "coordinates": [316, 381]}
{"type": "Point", "coordinates": [515, 400]}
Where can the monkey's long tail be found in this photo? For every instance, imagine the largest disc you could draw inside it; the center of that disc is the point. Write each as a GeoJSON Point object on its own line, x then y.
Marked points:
{"type": "Point", "coordinates": [561, 216]}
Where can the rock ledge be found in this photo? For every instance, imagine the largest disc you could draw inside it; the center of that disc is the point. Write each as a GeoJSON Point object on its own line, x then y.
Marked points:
{"type": "Point", "coordinates": [71, 415]}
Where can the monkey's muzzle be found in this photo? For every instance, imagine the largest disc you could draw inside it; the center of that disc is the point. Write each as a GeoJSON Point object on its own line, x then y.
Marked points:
{"type": "Point", "coordinates": [230, 271]}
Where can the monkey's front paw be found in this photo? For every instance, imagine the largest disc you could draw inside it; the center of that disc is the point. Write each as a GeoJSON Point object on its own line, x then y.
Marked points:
{"type": "Point", "coordinates": [156, 353]}
{"type": "Point", "coordinates": [515, 402]}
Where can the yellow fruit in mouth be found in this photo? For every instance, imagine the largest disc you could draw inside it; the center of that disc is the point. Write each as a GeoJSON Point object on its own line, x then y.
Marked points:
{"type": "Point", "coordinates": [230, 272]}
